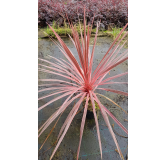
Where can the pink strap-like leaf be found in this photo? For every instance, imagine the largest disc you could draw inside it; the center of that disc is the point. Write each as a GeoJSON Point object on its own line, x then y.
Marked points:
{"type": "Point", "coordinates": [111, 115]}
{"type": "Point", "coordinates": [114, 91]}
{"type": "Point", "coordinates": [52, 85]}
{"type": "Point", "coordinates": [82, 125]}
{"type": "Point", "coordinates": [62, 70]}
{"type": "Point", "coordinates": [111, 131]}
{"type": "Point", "coordinates": [92, 55]}
{"type": "Point", "coordinates": [60, 88]}
{"type": "Point", "coordinates": [57, 80]}
{"type": "Point", "coordinates": [103, 66]}
{"type": "Point", "coordinates": [112, 83]}
{"type": "Point", "coordinates": [119, 62]}
{"type": "Point", "coordinates": [113, 57]}
{"type": "Point", "coordinates": [72, 69]}
{"type": "Point", "coordinates": [121, 57]}
{"type": "Point", "coordinates": [52, 94]}
{"type": "Point", "coordinates": [51, 72]}
{"type": "Point", "coordinates": [109, 126]}
{"type": "Point", "coordinates": [55, 99]}
{"type": "Point", "coordinates": [111, 47]}
{"type": "Point", "coordinates": [68, 124]}
{"type": "Point", "coordinates": [73, 60]}
{"type": "Point", "coordinates": [97, 125]}
{"type": "Point", "coordinates": [113, 77]}
{"type": "Point", "coordinates": [59, 111]}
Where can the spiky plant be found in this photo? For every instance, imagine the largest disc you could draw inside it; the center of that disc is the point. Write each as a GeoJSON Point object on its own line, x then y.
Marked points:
{"type": "Point", "coordinates": [84, 82]}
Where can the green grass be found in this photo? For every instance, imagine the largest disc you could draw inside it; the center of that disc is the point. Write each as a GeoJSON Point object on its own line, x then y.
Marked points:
{"type": "Point", "coordinates": [90, 105]}
{"type": "Point", "coordinates": [114, 33]}
{"type": "Point", "coordinates": [59, 31]}
{"type": "Point", "coordinates": [65, 30]}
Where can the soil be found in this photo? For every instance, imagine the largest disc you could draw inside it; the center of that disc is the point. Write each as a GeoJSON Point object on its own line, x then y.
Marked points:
{"type": "Point", "coordinates": [89, 115]}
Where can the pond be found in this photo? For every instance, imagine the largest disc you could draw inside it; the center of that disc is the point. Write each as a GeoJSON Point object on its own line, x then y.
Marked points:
{"type": "Point", "coordinates": [89, 146]}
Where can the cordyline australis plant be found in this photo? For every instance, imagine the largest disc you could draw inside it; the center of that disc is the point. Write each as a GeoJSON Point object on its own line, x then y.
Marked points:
{"type": "Point", "coordinates": [84, 82]}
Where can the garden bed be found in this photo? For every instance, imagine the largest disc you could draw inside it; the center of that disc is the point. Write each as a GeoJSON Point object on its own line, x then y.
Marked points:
{"type": "Point", "coordinates": [107, 11]}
